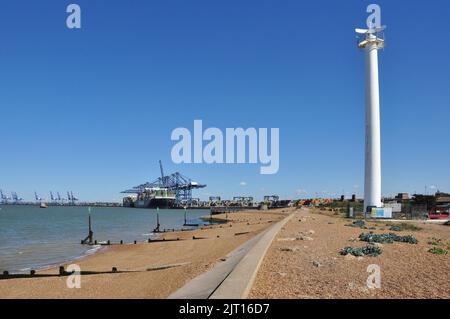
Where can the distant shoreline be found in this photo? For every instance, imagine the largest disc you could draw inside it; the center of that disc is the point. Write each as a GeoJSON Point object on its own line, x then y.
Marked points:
{"type": "Point", "coordinates": [99, 204]}
{"type": "Point", "coordinates": [109, 205]}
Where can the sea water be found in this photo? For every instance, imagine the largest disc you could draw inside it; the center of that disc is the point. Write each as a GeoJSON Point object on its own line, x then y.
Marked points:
{"type": "Point", "coordinates": [36, 238]}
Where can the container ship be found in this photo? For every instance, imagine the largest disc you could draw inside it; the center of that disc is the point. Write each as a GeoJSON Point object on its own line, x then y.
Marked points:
{"type": "Point", "coordinates": [168, 191]}
{"type": "Point", "coordinates": [154, 197]}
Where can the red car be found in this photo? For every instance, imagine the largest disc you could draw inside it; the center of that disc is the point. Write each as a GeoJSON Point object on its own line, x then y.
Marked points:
{"type": "Point", "coordinates": [441, 211]}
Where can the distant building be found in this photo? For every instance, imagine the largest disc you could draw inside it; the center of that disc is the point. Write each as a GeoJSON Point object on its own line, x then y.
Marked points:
{"type": "Point", "coordinates": [402, 196]}
{"type": "Point", "coordinates": [443, 200]}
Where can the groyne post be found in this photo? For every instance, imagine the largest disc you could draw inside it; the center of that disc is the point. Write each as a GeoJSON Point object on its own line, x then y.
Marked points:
{"type": "Point", "coordinates": [89, 239]}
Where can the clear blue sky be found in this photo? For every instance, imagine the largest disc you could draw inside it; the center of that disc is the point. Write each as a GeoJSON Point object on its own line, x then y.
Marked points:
{"type": "Point", "coordinates": [92, 110]}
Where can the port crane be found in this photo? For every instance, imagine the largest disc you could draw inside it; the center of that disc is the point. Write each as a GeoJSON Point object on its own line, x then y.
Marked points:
{"type": "Point", "coordinates": [58, 196]}
{"type": "Point", "coordinates": [52, 197]}
{"type": "Point", "coordinates": [37, 198]}
{"type": "Point", "coordinates": [176, 182]}
{"type": "Point", "coordinates": [4, 199]}
{"type": "Point", "coordinates": [72, 199]}
{"type": "Point", "coordinates": [16, 199]}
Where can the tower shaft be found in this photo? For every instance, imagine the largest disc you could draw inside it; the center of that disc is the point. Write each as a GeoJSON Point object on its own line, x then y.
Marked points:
{"type": "Point", "coordinates": [372, 181]}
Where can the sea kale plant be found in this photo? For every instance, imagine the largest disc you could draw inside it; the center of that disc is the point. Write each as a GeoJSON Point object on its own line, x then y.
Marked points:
{"type": "Point", "coordinates": [387, 238]}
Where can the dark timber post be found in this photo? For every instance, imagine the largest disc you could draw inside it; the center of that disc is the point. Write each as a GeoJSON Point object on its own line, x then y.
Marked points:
{"type": "Point", "coordinates": [156, 230]}
{"type": "Point", "coordinates": [91, 233]}
{"type": "Point", "coordinates": [90, 237]}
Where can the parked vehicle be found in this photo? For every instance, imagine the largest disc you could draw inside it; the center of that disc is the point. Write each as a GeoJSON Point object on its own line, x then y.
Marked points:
{"type": "Point", "coordinates": [441, 211]}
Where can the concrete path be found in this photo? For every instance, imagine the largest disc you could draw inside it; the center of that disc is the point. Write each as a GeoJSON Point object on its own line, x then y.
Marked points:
{"type": "Point", "coordinates": [233, 277]}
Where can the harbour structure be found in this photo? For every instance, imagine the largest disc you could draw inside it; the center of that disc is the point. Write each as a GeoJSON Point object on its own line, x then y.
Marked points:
{"type": "Point", "coordinates": [174, 190]}
{"type": "Point", "coordinates": [15, 198]}
{"type": "Point", "coordinates": [37, 198]}
{"type": "Point", "coordinates": [56, 199]}
{"type": "Point", "coordinates": [274, 201]}
{"type": "Point", "coordinates": [245, 201]}
{"type": "Point", "coordinates": [372, 40]}
{"type": "Point", "coordinates": [215, 201]}
{"type": "Point", "coordinates": [71, 199]}
{"type": "Point", "coordinates": [52, 198]}
{"type": "Point", "coordinates": [3, 198]}
{"type": "Point", "coordinates": [271, 198]}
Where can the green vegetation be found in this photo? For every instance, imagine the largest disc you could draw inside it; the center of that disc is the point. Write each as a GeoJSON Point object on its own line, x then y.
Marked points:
{"type": "Point", "coordinates": [438, 251]}
{"type": "Point", "coordinates": [387, 238]}
{"type": "Point", "coordinates": [404, 227]}
{"type": "Point", "coordinates": [435, 241]}
{"type": "Point", "coordinates": [358, 223]}
{"type": "Point", "coordinates": [369, 250]}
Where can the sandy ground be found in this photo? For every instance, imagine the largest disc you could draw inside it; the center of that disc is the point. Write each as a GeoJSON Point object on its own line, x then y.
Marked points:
{"type": "Point", "coordinates": [143, 280]}
{"type": "Point", "coordinates": [313, 268]}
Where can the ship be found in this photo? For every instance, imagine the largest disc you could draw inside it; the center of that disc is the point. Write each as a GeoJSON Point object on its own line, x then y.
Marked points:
{"type": "Point", "coordinates": [168, 191]}
{"type": "Point", "coordinates": [151, 197]}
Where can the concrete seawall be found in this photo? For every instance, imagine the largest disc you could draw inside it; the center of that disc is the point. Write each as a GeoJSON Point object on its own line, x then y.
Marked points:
{"type": "Point", "coordinates": [232, 278]}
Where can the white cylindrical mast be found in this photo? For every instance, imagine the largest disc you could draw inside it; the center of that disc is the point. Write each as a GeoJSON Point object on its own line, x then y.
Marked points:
{"type": "Point", "coordinates": [372, 177]}
{"type": "Point", "coordinates": [372, 181]}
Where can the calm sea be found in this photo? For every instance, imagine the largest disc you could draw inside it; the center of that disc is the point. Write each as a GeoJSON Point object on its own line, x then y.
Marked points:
{"type": "Point", "coordinates": [34, 238]}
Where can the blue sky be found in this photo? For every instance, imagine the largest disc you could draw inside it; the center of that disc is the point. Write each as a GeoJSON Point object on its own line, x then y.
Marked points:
{"type": "Point", "coordinates": [92, 110]}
